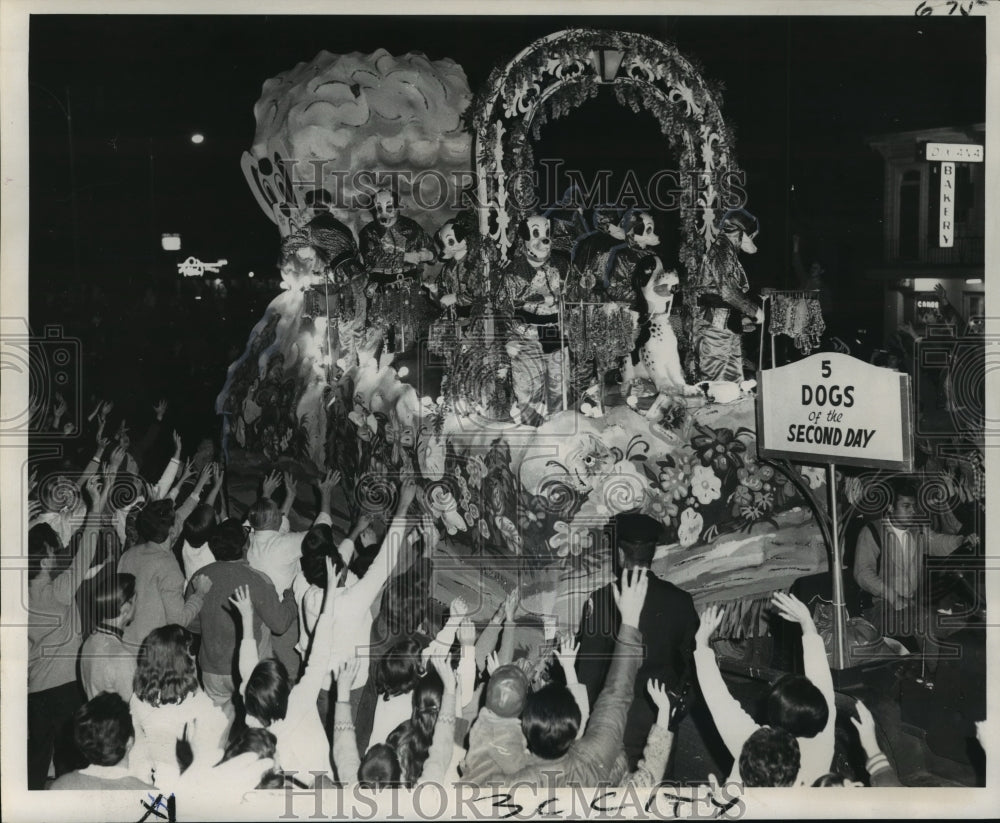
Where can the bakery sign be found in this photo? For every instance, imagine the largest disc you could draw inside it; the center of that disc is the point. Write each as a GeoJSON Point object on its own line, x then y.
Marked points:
{"type": "Point", "coordinates": [833, 408]}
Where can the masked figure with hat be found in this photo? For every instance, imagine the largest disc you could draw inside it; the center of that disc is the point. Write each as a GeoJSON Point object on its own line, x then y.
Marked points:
{"type": "Point", "coordinates": [718, 302]}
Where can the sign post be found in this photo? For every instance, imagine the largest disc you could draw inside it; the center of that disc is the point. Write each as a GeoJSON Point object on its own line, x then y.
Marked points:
{"type": "Point", "coordinates": [947, 154]}
{"type": "Point", "coordinates": [835, 409]}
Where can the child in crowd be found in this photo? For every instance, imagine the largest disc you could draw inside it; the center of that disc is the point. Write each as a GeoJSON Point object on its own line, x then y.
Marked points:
{"type": "Point", "coordinates": [800, 705]}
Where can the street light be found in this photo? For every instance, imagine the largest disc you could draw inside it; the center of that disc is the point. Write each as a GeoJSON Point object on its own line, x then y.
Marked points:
{"type": "Point", "coordinates": [197, 138]}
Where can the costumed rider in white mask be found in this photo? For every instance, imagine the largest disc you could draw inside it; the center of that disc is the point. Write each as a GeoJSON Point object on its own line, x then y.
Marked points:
{"type": "Point", "coordinates": [394, 250]}
{"type": "Point", "coordinates": [530, 288]}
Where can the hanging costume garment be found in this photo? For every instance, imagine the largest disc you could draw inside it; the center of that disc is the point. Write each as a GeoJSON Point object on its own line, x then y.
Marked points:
{"type": "Point", "coordinates": [798, 314]}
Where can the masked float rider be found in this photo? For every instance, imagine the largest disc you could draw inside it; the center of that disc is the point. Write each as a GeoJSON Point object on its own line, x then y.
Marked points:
{"type": "Point", "coordinates": [394, 250]}
{"type": "Point", "coordinates": [612, 271]}
{"type": "Point", "coordinates": [719, 307]}
{"type": "Point", "coordinates": [530, 288]}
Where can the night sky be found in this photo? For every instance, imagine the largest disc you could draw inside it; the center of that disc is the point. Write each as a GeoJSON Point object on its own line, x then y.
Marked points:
{"type": "Point", "coordinates": [801, 94]}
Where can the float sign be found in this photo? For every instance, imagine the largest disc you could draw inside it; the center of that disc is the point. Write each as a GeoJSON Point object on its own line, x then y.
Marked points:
{"type": "Point", "coordinates": [833, 408]}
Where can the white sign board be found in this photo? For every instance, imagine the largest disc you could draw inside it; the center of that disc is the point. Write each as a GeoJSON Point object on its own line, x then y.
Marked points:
{"type": "Point", "coordinates": [946, 222]}
{"type": "Point", "coordinates": [833, 408]}
{"type": "Point", "coordinates": [955, 152]}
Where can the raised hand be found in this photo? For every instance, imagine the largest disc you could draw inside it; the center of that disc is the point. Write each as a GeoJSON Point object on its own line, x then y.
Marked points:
{"type": "Point", "coordinates": [793, 610]}
{"type": "Point", "coordinates": [865, 724]}
{"type": "Point", "coordinates": [329, 482]}
{"type": "Point", "coordinates": [630, 595]}
{"type": "Point", "coordinates": [459, 608]}
{"type": "Point", "coordinates": [443, 667]}
{"type": "Point", "coordinates": [160, 409]}
{"type": "Point", "coordinates": [291, 488]}
{"type": "Point", "coordinates": [116, 458]}
{"type": "Point", "coordinates": [492, 663]}
{"type": "Point", "coordinates": [270, 484]}
{"type": "Point", "coordinates": [711, 619]}
{"type": "Point", "coordinates": [241, 600]}
{"type": "Point", "coordinates": [177, 445]}
{"type": "Point", "coordinates": [186, 472]}
{"type": "Point", "coordinates": [102, 444]}
{"type": "Point", "coordinates": [60, 406]}
{"type": "Point", "coordinates": [658, 692]}
{"type": "Point", "coordinates": [510, 604]}
{"type": "Point", "coordinates": [346, 674]}
{"type": "Point", "coordinates": [93, 488]}
{"type": "Point", "coordinates": [565, 653]}
{"type": "Point", "coordinates": [466, 632]}
{"type": "Point", "coordinates": [106, 408]}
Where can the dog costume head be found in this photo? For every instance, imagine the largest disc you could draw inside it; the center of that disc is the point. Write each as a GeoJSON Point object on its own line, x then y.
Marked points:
{"type": "Point", "coordinates": [741, 228]}
{"type": "Point", "coordinates": [655, 284]}
{"type": "Point", "coordinates": [535, 239]}
{"type": "Point", "coordinates": [640, 232]}
{"type": "Point", "coordinates": [451, 242]}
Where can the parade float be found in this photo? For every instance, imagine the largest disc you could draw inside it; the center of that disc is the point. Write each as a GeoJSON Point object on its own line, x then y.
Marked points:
{"type": "Point", "coordinates": [520, 499]}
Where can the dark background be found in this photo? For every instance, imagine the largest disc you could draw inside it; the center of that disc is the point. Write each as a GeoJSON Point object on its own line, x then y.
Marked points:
{"type": "Point", "coordinates": [800, 94]}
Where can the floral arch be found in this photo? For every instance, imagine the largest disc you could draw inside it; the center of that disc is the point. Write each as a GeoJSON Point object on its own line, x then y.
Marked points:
{"type": "Point", "coordinates": [557, 73]}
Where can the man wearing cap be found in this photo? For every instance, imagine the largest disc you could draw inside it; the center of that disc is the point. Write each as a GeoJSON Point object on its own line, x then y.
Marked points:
{"type": "Point", "coordinates": [717, 299]}
{"type": "Point", "coordinates": [668, 623]}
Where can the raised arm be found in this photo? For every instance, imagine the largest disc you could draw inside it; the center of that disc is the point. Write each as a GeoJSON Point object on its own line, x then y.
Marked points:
{"type": "Point", "coordinates": [345, 742]}
{"type": "Point", "coordinates": [442, 742]}
{"type": "Point", "coordinates": [213, 493]}
{"type": "Point", "coordinates": [655, 755]}
{"type": "Point", "coordinates": [733, 723]}
{"type": "Point", "coordinates": [603, 738]}
{"type": "Point", "coordinates": [291, 492]}
{"type": "Point", "coordinates": [367, 589]}
{"type": "Point", "coordinates": [170, 472]}
{"type": "Point", "coordinates": [506, 653]}
{"type": "Point", "coordinates": [814, 659]}
{"type": "Point", "coordinates": [247, 658]}
{"type": "Point", "coordinates": [65, 585]}
{"type": "Point", "coordinates": [442, 642]}
{"type": "Point", "coordinates": [881, 772]}
{"type": "Point", "coordinates": [566, 653]}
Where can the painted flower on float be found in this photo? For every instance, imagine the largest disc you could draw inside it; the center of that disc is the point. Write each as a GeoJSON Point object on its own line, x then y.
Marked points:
{"type": "Point", "coordinates": [718, 448]}
{"type": "Point", "coordinates": [814, 475]}
{"type": "Point", "coordinates": [705, 485]}
{"type": "Point", "coordinates": [475, 467]}
{"type": "Point", "coordinates": [661, 507]}
{"type": "Point", "coordinates": [754, 475]}
{"type": "Point", "coordinates": [567, 541]}
{"type": "Point", "coordinates": [674, 482]}
{"type": "Point", "coordinates": [689, 529]}
{"type": "Point", "coordinates": [509, 532]}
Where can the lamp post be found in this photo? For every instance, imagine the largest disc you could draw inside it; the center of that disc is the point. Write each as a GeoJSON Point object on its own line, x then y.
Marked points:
{"type": "Point", "coordinates": [67, 112]}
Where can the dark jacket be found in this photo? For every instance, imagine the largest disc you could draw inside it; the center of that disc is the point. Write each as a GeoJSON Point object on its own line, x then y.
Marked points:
{"type": "Point", "coordinates": [217, 621]}
{"type": "Point", "coordinates": [668, 623]}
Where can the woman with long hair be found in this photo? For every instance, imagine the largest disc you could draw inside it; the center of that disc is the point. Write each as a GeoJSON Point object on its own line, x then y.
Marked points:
{"type": "Point", "coordinates": [167, 702]}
